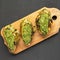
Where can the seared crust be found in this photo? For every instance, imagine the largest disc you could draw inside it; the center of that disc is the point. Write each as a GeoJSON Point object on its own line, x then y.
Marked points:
{"type": "Point", "coordinates": [36, 37]}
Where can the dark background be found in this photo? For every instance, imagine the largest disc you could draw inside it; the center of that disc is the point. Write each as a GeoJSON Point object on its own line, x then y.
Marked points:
{"type": "Point", "coordinates": [10, 11]}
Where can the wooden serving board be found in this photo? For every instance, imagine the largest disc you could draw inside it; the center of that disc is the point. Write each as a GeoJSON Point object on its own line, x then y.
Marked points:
{"type": "Point", "coordinates": [36, 38]}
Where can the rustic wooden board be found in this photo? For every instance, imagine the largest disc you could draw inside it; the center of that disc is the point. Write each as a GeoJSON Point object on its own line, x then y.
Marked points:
{"type": "Point", "coordinates": [36, 37]}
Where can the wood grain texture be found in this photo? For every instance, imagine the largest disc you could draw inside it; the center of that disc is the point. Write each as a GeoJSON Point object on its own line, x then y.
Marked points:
{"type": "Point", "coordinates": [36, 37]}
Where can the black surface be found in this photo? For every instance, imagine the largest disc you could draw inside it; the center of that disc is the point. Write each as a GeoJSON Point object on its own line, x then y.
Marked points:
{"type": "Point", "coordinates": [10, 11]}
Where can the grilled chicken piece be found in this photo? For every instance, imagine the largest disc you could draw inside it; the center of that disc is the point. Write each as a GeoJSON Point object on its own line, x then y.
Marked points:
{"type": "Point", "coordinates": [11, 36]}
{"type": "Point", "coordinates": [44, 21]}
{"type": "Point", "coordinates": [26, 31]}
